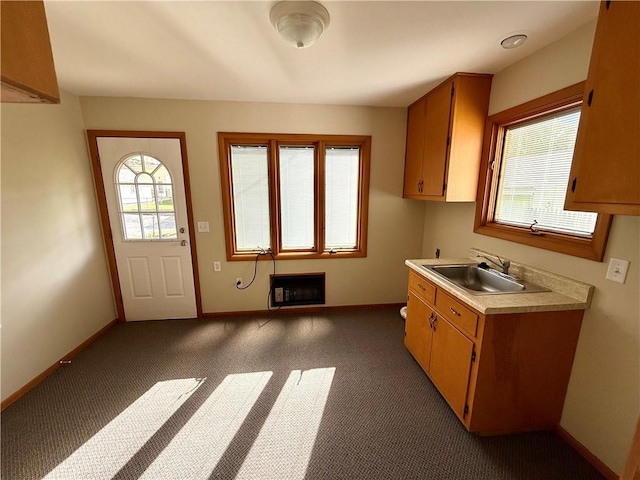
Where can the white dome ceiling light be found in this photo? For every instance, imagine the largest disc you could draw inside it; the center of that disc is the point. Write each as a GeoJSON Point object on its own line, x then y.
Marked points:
{"type": "Point", "coordinates": [299, 23]}
{"type": "Point", "coordinates": [513, 41]}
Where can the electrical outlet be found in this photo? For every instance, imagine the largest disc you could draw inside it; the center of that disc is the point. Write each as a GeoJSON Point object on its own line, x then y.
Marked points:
{"type": "Point", "coordinates": [617, 270]}
{"type": "Point", "coordinates": [238, 281]}
{"type": "Point", "coordinates": [216, 266]}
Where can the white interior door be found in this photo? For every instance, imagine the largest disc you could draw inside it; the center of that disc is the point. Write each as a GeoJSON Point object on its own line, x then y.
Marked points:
{"type": "Point", "coordinates": [146, 200]}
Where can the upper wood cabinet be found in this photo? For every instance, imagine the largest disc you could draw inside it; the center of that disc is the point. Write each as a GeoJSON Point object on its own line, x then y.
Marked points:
{"type": "Point", "coordinates": [605, 174]}
{"type": "Point", "coordinates": [444, 139]}
{"type": "Point", "coordinates": [28, 73]}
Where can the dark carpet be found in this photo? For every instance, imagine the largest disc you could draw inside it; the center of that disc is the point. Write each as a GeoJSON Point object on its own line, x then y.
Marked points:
{"type": "Point", "coordinates": [185, 399]}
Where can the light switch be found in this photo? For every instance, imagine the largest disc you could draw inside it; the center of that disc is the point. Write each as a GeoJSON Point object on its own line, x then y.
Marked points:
{"type": "Point", "coordinates": [203, 227]}
{"type": "Point", "coordinates": [216, 266]}
{"type": "Point", "coordinates": [617, 270]}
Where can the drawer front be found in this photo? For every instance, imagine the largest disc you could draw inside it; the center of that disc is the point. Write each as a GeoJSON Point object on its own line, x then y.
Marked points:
{"type": "Point", "coordinates": [457, 313]}
{"type": "Point", "coordinates": [424, 289]}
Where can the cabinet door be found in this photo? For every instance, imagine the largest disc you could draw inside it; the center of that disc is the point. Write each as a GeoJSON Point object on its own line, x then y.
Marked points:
{"type": "Point", "coordinates": [415, 148]}
{"type": "Point", "coordinates": [436, 140]}
{"type": "Point", "coordinates": [417, 333]}
{"type": "Point", "coordinates": [606, 169]}
{"type": "Point", "coordinates": [450, 364]}
{"type": "Point", "coordinates": [28, 73]}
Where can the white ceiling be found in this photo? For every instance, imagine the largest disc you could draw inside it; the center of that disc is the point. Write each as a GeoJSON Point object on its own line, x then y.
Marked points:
{"type": "Point", "coordinates": [374, 53]}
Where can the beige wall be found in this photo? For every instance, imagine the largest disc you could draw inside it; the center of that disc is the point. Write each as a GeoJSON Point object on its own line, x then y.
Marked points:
{"type": "Point", "coordinates": [55, 285]}
{"type": "Point", "coordinates": [603, 400]}
{"type": "Point", "coordinates": [395, 225]}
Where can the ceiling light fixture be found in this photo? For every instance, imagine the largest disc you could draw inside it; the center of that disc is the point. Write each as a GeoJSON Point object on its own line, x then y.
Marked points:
{"type": "Point", "coordinates": [513, 41]}
{"type": "Point", "coordinates": [299, 23]}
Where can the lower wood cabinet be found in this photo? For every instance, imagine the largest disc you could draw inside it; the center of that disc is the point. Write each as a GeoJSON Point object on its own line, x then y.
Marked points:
{"type": "Point", "coordinates": [451, 358]}
{"type": "Point", "coordinates": [418, 333]}
{"type": "Point", "coordinates": [499, 373]}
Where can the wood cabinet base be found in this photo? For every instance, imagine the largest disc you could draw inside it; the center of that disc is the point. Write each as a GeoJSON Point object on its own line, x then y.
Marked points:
{"type": "Point", "coordinates": [520, 379]}
{"type": "Point", "coordinates": [499, 373]}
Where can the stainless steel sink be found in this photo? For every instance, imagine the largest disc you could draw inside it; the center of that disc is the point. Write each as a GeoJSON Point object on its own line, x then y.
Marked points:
{"type": "Point", "coordinates": [483, 281]}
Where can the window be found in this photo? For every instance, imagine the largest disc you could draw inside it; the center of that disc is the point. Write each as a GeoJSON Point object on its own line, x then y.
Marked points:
{"type": "Point", "coordinates": [300, 196]}
{"type": "Point", "coordinates": [524, 175]}
{"type": "Point", "coordinates": [145, 196]}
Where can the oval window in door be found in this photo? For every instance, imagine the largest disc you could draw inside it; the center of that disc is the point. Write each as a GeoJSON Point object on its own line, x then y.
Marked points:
{"type": "Point", "coordinates": [145, 199]}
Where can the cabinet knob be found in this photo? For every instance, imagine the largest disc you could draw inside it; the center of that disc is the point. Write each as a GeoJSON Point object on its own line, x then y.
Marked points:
{"type": "Point", "coordinates": [454, 312]}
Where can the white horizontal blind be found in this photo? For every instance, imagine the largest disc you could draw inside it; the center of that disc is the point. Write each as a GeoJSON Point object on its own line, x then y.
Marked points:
{"type": "Point", "coordinates": [534, 173]}
{"type": "Point", "coordinates": [297, 197]}
{"type": "Point", "coordinates": [342, 175]}
{"type": "Point", "coordinates": [250, 184]}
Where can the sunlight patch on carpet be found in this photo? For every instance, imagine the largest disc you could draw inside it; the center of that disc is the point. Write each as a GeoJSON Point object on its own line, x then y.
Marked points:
{"type": "Point", "coordinates": [104, 454]}
{"type": "Point", "coordinates": [283, 447]}
{"type": "Point", "coordinates": [195, 451]}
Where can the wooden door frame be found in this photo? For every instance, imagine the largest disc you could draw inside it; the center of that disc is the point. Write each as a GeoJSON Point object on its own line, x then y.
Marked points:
{"type": "Point", "coordinates": [92, 139]}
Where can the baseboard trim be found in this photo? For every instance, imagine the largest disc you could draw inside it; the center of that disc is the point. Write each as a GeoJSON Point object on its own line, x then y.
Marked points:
{"type": "Point", "coordinates": [21, 392]}
{"type": "Point", "coordinates": [586, 454]}
{"type": "Point", "coordinates": [297, 310]}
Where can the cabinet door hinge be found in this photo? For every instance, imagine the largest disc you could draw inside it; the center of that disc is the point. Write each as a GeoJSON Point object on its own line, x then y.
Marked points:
{"type": "Point", "coordinates": [444, 187]}
{"type": "Point", "coordinates": [448, 141]}
{"type": "Point", "coordinates": [466, 409]}
{"type": "Point", "coordinates": [607, 4]}
{"type": "Point", "coordinates": [573, 185]}
{"type": "Point", "coordinates": [473, 357]}
{"type": "Point", "coordinates": [590, 98]}
{"type": "Point", "coordinates": [453, 88]}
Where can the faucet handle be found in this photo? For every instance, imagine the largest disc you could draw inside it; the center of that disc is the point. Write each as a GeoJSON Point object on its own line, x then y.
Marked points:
{"type": "Point", "coordinates": [505, 265]}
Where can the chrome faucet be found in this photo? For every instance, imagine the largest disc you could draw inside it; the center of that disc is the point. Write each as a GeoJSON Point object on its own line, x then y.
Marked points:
{"type": "Point", "coordinates": [504, 264]}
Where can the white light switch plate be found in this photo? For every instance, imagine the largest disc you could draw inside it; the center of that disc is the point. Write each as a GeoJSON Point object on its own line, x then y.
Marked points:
{"type": "Point", "coordinates": [216, 266]}
{"type": "Point", "coordinates": [203, 227]}
{"type": "Point", "coordinates": [617, 270]}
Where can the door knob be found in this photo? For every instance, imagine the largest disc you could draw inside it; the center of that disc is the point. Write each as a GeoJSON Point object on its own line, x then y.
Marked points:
{"type": "Point", "coordinates": [183, 243]}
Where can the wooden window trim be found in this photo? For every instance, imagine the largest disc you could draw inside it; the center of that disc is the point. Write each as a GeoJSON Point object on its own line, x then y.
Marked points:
{"type": "Point", "coordinates": [272, 141]}
{"type": "Point", "coordinates": [591, 248]}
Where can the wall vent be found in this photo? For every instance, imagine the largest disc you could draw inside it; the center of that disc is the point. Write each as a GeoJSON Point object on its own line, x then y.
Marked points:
{"type": "Point", "coordinates": [297, 289]}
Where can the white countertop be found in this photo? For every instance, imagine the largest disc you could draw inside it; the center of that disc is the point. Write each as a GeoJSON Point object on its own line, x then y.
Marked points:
{"type": "Point", "coordinates": [565, 294]}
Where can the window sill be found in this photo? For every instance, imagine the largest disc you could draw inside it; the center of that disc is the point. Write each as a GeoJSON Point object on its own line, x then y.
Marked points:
{"type": "Point", "coordinates": [243, 257]}
{"type": "Point", "coordinates": [589, 248]}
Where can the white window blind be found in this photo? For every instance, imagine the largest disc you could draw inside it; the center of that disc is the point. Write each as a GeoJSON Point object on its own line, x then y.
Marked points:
{"type": "Point", "coordinates": [342, 175]}
{"type": "Point", "coordinates": [250, 184]}
{"type": "Point", "coordinates": [534, 173]}
{"type": "Point", "coordinates": [297, 197]}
